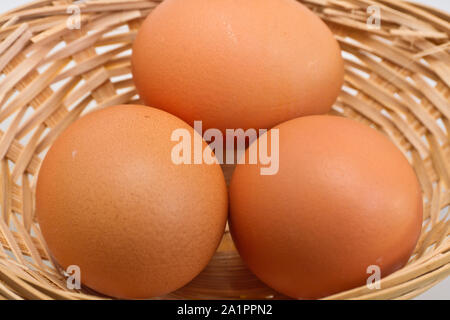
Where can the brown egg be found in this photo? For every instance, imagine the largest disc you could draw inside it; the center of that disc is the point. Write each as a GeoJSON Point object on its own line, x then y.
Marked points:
{"type": "Point", "coordinates": [110, 200]}
{"type": "Point", "coordinates": [344, 199]}
{"type": "Point", "coordinates": [236, 64]}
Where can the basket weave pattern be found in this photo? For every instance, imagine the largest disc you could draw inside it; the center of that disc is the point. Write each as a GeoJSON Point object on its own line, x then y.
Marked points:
{"type": "Point", "coordinates": [397, 80]}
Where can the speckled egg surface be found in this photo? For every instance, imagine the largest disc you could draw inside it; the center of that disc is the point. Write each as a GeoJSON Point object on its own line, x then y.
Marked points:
{"type": "Point", "coordinates": [344, 199]}
{"type": "Point", "coordinates": [236, 64]}
{"type": "Point", "coordinates": [110, 200]}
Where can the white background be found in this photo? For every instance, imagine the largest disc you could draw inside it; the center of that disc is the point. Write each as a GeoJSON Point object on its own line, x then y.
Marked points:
{"type": "Point", "coordinates": [440, 291]}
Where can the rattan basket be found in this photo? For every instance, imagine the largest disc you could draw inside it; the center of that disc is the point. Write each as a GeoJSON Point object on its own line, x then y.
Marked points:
{"type": "Point", "coordinates": [397, 80]}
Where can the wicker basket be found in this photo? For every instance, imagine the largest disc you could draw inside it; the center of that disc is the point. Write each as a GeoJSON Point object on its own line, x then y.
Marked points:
{"type": "Point", "coordinates": [397, 80]}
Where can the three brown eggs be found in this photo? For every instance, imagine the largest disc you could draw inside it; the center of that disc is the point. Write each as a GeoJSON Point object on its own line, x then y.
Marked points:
{"type": "Point", "coordinates": [111, 199]}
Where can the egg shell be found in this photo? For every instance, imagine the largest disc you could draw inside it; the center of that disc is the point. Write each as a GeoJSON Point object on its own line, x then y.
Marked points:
{"type": "Point", "coordinates": [344, 199]}
{"type": "Point", "coordinates": [236, 64]}
{"type": "Point", "coordinates": [110, 200]}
